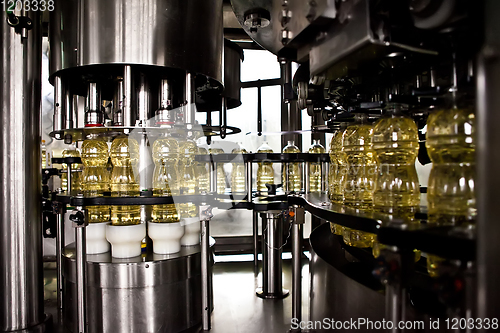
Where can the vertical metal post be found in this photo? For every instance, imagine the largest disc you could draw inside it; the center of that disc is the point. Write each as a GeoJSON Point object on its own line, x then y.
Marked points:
{"type": "Point", "coordinates": [127, 107]}
{"type": "Point", "coordinates": [255, 222]}
{"type": "Point", "coordinates": [298, 216]}
{"type": "Point", "coordinates": [68, 108]}
{"type": "Point", "coordinates": [59, 252]}
{"type": "Point", "coordinates": [189, 114]}
{"type": "Point", "coordinates": [272, 243]}
{"type": "Point", "coordinates": [488, 164]}
{"type": "Point", "coordinates": [248, 173]}
{"type": "Point", "coordinates": [395, 299]}
{"type": "Point", "coordinates": [80, 220]}
{"type": "Point", "coordinates": [324, 176]}
{"type": "Point", "coordinates": [68, 179]}
{"type": "Point", "coordinates": [307, 181]}
{"type": "Point", "coordinates": [21, 270]}
{"type": "Point", "coordinates": [206, 302]}
{"type": "Point", "coordinates": [58, 121]}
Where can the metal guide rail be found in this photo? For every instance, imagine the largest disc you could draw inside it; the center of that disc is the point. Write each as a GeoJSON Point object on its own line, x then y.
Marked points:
{"type": "Point", "coordinates": [264, 157]}
{"type": "Point", "coordinates": [446, 241]}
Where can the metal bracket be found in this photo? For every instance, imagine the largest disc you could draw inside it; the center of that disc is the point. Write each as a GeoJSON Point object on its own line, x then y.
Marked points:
{"type": "Point", "coordinates": [79, 217]}
{"type": "Point", "coordinates": [297, 215]}
{"type": "Point", "coordinates": [206, 212]}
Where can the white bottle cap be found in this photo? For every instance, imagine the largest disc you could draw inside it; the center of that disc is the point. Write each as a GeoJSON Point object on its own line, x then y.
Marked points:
{"type": "Point", "coordinates": [192, 228]}
{"type": "Point", "coordinates": [166, 237]}
{"type": "Point", "coordinates": [96, 238]}
{"type": "Point", "coordinates": [125, 239]}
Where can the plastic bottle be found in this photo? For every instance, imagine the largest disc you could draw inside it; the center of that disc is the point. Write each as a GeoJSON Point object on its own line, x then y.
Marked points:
{"type": "Point", "coordinates": [221, 174]}
{"type": "Point", "coordinates": [294, 183]}
{"type": "Point", "coordinates": [95, 178]}
{"type": "Point", "coordinates": [337, 173]}
{"type": "Point", "coordinates": [360, 175]}
{"type": "Point", "coordinates": [188, 184]}
{"type": "Point", "coordinates": [202, 173]}
{"type": "Point", "coordinates": [165, 177]}
{"type": "Point", "coordinates": [265, 171]}
{"type": "Point", "coordinates": [75, 174]}
{"type": "Point", "coordinates": [315, 177]}
{"type": "Point", "coordinates": [44, 154]}
{"type": "Point", "coordinates": [238, 179]}
{"type": "Point", "coordinates": [451, 197]}
{"type": "Point", "coordinates": [124, 154]}
{"type": "Point", "coordinates": [395, 143]}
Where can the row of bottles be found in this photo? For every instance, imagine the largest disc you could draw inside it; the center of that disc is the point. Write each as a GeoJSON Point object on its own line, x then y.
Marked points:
{"type": "Point", "coordinates": [373, 167]}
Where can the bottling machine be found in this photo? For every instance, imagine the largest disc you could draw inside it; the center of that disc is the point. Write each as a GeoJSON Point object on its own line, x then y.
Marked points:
{"type": "Point", "coordinates": [129, 77]}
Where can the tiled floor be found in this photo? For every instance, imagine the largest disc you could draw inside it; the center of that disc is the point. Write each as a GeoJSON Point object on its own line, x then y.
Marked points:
{"type": "Point", "coordinates": [236, 307]}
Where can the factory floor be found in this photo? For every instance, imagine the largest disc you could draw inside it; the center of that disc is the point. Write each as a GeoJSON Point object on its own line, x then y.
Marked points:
{"type": "Point", "coordinates": [236, 307]}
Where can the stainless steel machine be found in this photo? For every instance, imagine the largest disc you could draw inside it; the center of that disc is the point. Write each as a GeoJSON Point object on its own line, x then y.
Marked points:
{"type": "Point", "coordinates": [128, 68]}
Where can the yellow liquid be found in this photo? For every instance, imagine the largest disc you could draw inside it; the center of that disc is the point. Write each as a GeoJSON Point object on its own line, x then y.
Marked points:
{"type": "Point", "coordinates": [95, 178]}
{"type": "Point", "coordinates": [359, 178]}
{"type": "Point", "coordinates": [238, 179]}
{"type": "Point", "coordinates": [44, 155]}
{"type": "Point", "coordinates": [451, 146]}
{"type": "Point", "coordinates": [124, 154]}
{"type": "Point", "coordinates": [294, 173]}
{"type": "Point", "coordinates": [378, 247]}
{"type": "Point", "coordinates": [202, 173]}
{"type": "Point", "coordinates": [221, 175]}
{"type": "Point", "coordinates": [188, 183]}
{"type": "Point", "coordinates": [265, 171]}
{"type": "Point", "coordinates": [75, 175]}
{"type": "Point", "coordinates": [315, 178]}
{"type": "Point", "coordinates": [336, 175]}
{"type": "Point", "coordinates": [451, 197]}
{"type": "Point", "coordinates": [165, 177]}
{"type": "Point", "coordinates": [395, 143]}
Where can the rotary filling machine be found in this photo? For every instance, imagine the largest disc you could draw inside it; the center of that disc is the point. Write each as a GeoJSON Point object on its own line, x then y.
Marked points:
{"type": "Point", "coordinates": [130, 53]}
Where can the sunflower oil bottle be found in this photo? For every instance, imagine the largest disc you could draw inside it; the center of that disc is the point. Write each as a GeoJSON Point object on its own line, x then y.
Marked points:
{"type": "Point", "coordinates": [292, 170]}
{"type": "Point", "coordinates": [395, 144]}
{"type": "Point", "coordinates": [238, 179]}
{"type": "Point", "coordinates": [360, 175]}
{"type": "Point", "coordinates": [202, 173]}
{"type": "Point", "coordinates": [337, 174]}
{"type": "Point", "coordinates": [451, 146]}
{"type": "Point", "coordinates": [188, 184]}
{"type": "Point", "coordinates": [265, 171]}
{"type": "Point", "coordinates": [95, 177]}
{"type": "Point", "coordinates": [315, 176]}
{"type": "Point", "coordinates": [165, 177]}
{"type": "Point", "coordinates": [124, 154]}
{"type": "Point", "coordinates": [75, 175]}
{"type": "Point", "coordinates": [221, 174]}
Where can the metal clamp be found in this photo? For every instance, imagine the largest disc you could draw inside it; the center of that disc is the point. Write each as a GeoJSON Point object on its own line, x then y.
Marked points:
{"type": "Point", "coordinates": [79, 217]}
{"type": "Point", "coordinates": [296, 215]}
{"type": "Point", "coordinates": [206, 212]}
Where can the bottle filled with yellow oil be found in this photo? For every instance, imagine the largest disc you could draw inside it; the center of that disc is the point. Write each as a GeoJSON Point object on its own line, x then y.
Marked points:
{"type": "Point", "coordinates": [451, 144]}
{"type": "Point", "coordinates": [221, 174]}
{"type": "Point", "coordinates": [95, 177]}
{"type": "Point", "coordinates": [202, 173]}
{"type": "Point", "coordinates": [395, 144]}
{"type": "Point", "coordinates": [43, 152]}
{"type": "Point", "coordinates": [165, 177]}
{"type": "Point", "coordinates": [291, 172]}
{"type": "Point", "coordinates": [124, 154]}
{"type": "Point", "coordinates": [360, 175]}
{"type": "Point", "coordinates": [188, 184]}
{"type": "Point", "coordinates": [238, 179]}
{"type": "Point", "coordinates": [265, 171]}
{"type": "Point", "coordinates": [315, 171]}
{"type": "Point", "coordinates": [76, 173]}
{"type": "Point", "coordinates": [337, 174]}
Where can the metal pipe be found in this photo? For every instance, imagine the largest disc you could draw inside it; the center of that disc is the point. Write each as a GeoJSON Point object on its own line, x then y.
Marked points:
{"type": "Point", "coordinates": [296, 272]}
{"type": "Point", "coordinates": [248, 173]}
{"type": "Point", "coordinates": [305, 176]}
{"type": "Point", "coordinates": [118, 104]}
{"type": "Point", "coordinates": [324, 176]}
{"type": "Point", "coordinates": [395, 300]}
{"type": "Point", "coordinates": [143, 100]}
{"type": "Point", "coordinates": [213, 176]}
{"type": "Point", "coordinates": [488, 164]}
{"type": "Point", "coordinates": [93, 114]}
{"type": "Point", "coordinates": [127, 109]}
{"type": "Point", "coordinates": [58, 121]}
{"type": "Point", "coordinates": [68, 179]}
{"type": "Point", "coordinates": [68, 108]}
{"type": "Point", "coordinates": [59, 251]}
{"type": "Point", "coordinates": [255, 224]}
{"type": "Point", "coordinates": [205, 263]}
{"type": "Point", "coordinates": [81, 281]}
{"type": "Point", "coordinates": [21, 271]}
{"type": "Point", "coordinates": [189, 114]}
